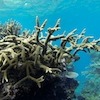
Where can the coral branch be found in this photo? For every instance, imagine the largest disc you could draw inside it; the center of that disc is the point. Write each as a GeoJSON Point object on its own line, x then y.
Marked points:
{"type": "Point", "coordinates": [32, 56]}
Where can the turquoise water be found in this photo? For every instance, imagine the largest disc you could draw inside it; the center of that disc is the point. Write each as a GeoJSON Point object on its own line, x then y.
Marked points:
{"type": "Point", "coordinates": [73, 13]}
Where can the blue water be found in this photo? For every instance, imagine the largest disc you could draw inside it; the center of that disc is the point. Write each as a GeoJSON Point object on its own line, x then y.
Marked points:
{"type": "Point", "coordinates": [73, 13]}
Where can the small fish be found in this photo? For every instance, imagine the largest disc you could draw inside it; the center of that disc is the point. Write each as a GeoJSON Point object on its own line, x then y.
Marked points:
{"type": "Point", "coordinates": [76, 58]}
{"type": "Point", "coordinates": [72, 75]}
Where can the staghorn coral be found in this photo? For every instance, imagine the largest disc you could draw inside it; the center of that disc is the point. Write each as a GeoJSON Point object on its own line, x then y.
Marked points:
{"type": "Point", "coordinates": [26, 56]}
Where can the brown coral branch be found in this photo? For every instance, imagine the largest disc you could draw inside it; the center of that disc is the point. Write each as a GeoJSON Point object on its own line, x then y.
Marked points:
{"type": "Point", "coordinates": [35, 56]}
{"type": "Point", "coordinates": [67, 38]}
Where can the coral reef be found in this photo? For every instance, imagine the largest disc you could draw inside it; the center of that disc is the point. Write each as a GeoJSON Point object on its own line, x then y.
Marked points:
{"type": "Point", "coordinates": [91, 89]}
{"type": "Point", "coordinates": [29, 61]}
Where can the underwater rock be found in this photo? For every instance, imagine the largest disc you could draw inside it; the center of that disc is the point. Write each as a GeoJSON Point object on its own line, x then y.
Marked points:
{"type": "Point", "coordinates": [52, 89]}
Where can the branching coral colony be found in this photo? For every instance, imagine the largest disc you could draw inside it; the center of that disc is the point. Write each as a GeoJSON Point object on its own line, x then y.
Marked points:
{"type": "Point", "coordinates": [31, 56]}
{"type": "Point", "coordinates": [91, 90]}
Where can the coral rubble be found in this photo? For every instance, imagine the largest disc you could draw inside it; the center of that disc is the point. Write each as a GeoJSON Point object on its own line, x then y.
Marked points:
{"type": "Point", "coordinates": [31, 60]}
